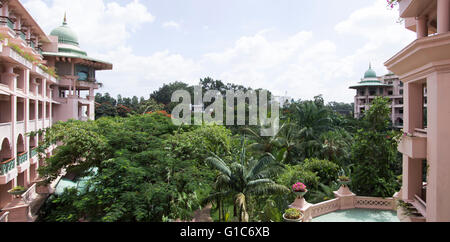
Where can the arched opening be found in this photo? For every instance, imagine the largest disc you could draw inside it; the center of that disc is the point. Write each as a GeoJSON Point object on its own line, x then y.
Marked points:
{"type": "Point", "coordinates": [20, 145]}
{"type": "Point", "coordinates": [5, 153]}
{"type": "Point", "coordinates": [33, 142]}
{"type": "Point", "coordinates": [21, 158]}
{"type": "Point", "coordinates": [6, 159]}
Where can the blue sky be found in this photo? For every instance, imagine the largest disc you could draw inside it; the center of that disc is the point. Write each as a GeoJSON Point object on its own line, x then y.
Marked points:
{"type": "Point", "coordinates": [302, 48]}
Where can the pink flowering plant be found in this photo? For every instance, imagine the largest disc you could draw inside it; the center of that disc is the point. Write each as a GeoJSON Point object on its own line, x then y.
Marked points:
{"type": "Point", "coordinates": [392, 3]}
{"type": "Point", "coordinates": [299, 189]}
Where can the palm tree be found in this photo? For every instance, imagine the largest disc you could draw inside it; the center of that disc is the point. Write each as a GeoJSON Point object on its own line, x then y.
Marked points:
{"type": "Point", "coordinates": [326, 192]}
{"type": "Point", "coordinates": [242, 179]}
{"type": "Point", "coordinates": [336, 146]}
{"type": "Point", "coordinates": [287, 142]}
{"type": "Point", "coordinates": [263, 144]}
{"type": "Point", "coordinates": [312, 121]}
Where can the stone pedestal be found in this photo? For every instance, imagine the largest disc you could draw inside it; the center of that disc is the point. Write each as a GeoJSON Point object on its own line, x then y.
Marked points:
{"type": "Point", "coordinates": [346, 198]}
{"type": "Point", "coordinates": [298, 203]}
{"type": "Point", "coordinates": [303, 205]}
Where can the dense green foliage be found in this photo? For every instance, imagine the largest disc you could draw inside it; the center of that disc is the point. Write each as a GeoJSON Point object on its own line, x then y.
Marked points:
{"type": "Point", "coordinates": [143, 168]}
{"type": "Point", "coordinates": [139, 176]}
{"type": "Point", "coordinates": [374, 153]}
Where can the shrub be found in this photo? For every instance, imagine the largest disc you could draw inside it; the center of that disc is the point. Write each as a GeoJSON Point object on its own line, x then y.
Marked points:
{"type": "Point", "coordinates": [293, 213]}
{"type": "Point", "coordinates": [294, 174]}
{"type": "Point", "coordinates": [327, 171]}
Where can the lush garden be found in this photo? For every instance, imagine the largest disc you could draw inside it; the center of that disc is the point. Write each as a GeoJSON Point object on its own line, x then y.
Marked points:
{"type": "Point", "coordinates": [143, 168]}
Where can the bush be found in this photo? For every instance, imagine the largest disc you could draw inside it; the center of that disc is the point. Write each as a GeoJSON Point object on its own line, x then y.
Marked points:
{"type": "Point", "coordinates": [327, 171]}
{"type": "Point", "coordinates": [294, 174]}
{"type": "Point", "coordinates": [293, 213]}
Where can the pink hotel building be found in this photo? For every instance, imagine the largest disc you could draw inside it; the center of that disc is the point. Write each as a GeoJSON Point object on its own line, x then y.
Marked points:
{"type": "Point", "coordinates": [32, 95]}
{"type": "Point", "coordinates": [425, 65]}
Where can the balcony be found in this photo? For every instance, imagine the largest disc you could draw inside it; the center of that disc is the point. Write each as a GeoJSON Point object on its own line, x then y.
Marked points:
{"type": "Point", "coordinates": [22, 162]}
{"type": "Point", "coordinates": [414, 146]}
{"type": "Point", "coordinates": [16, 57]}
{"type": "Point", "coordinates": [22, 158]}
{"type": "Point", "coordinates": [414, 8]}
{"type": "Point", "coordinates": [34, 158]}
{"type": "Point", "coordinates": [7, 171]}
{"type": "Point", "coordinates": [420, 56]}
{"type": "Point", "coordinates": [7, 22]}
{"type": "Point", "coordinates": [21, 35]}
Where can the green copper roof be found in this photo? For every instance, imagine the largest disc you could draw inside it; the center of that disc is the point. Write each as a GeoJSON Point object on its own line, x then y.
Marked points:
{"type": "Point", "coordinates": [65, 34]}
{"type": "Point", "coordinates": [370, 73]}
{"type": "Point", "coordinates": [370, 84]}
{"type": "Point", "coordinates": [75, 55]}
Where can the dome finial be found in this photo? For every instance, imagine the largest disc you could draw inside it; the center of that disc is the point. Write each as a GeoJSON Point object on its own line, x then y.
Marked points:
{"type": "Point", "coordinates": [370, 65]}
{"type": "Point", "coordinates": [65, 18]}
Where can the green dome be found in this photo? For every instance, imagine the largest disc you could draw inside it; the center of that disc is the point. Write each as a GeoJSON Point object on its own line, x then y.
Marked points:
{"type": "Point", "coordinates": [65, 34]}
{"type": "Point", "coordinates": [370, 73]}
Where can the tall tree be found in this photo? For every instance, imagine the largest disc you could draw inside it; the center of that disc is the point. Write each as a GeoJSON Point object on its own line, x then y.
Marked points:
{"type": "Point", "coordinates": [374, 153]}
{"type": "Point", "coordinates": [242, 179]}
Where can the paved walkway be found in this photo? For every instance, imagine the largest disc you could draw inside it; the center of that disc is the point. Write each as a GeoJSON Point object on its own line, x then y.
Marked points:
{"type": "Point", "coordinates": [203, 215]}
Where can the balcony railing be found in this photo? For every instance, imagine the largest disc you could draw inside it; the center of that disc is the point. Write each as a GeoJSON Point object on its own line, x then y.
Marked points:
{"type": "Point", "coordinates": [7, 166]}
{"type": "Point", "coordinates": [4, 217]}
{"type": "Point", "coordinates": [33, 152]}
{"type": "Point", "coordinates": [7, 21]}
{"type": "Point", "coordinates": [420, 205]}
{"type": "Point", "coordinates": [21, 35]}
{"type": "Point", "coordinates": [22, 158]}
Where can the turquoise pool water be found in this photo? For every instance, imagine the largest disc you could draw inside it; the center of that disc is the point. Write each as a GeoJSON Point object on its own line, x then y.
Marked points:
{"type": "Point", "coordinates": [79, 183]}
{"type": "Point", "coordinates": [359, 215]}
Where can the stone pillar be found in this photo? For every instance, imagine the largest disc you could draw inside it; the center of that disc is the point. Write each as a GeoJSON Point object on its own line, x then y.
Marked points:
{"type": "Point", "coordinates": [422, 27]}
{"type": "Point", "coordinates": [44, 103]}
{"type": "Point", "coordinates": [346, 198]}
{"type": "Point", "coordinates": [413, 107]}
{"type": "Point", "coordinates": [411, 178]}
{"type": "Point", "coordinates": [443, 16]}
{"type": "Point", "coordinates": [438, 143]}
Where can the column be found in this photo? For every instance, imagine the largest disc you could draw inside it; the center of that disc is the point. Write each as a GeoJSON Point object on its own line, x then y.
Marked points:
{"type": "Point", "coordinates": [438, 143]}
{"type": "Point", "coordinates": [412, 178]}
{"type": "Point", "coordinates": [422, 27]}
{"type": "Point", "coordinates": [413, 112]}
{"type": "Point", "coordinates": [443, 19]}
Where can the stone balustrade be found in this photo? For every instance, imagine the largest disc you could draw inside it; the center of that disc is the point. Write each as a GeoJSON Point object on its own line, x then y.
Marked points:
{"type": "Point", "coordinates": [344, 200]}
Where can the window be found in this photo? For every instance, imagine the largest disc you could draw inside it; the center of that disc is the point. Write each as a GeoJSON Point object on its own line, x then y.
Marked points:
{"type": "Point", "coordinates": [401, 91]}
{"type": "Point", "coordinates": [82, 76]}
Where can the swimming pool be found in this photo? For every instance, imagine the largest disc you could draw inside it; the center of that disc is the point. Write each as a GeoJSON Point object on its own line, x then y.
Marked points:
{"type": "Point", "coordinates": [359, 215]}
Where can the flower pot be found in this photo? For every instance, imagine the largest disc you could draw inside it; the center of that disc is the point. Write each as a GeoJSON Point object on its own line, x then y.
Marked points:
{"type": "Point", "coordinates": [300, 200]}
{"type": "Point", "coordinates": [293, 220]}
{"type": "Point", "coordinates": [301, 194]}
{"type": "Point", "coordinates": [16, 193]}
{"type": "Point", "coordinates": [344, 182]}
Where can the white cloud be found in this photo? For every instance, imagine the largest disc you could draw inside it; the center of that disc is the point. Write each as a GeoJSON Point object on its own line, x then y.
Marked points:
{"type": "Point", "coordinates": [302, 64]}
{"type": "Point", "coordinates": [97, 23]}
{"type": "Point", "coordinates": [140, 75]}
{"type": "Point", "coordinates": [171, 24]}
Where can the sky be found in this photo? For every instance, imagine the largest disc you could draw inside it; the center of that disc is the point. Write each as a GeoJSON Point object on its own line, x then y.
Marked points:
{"type": "Point", "coordinates": [297, 48]}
